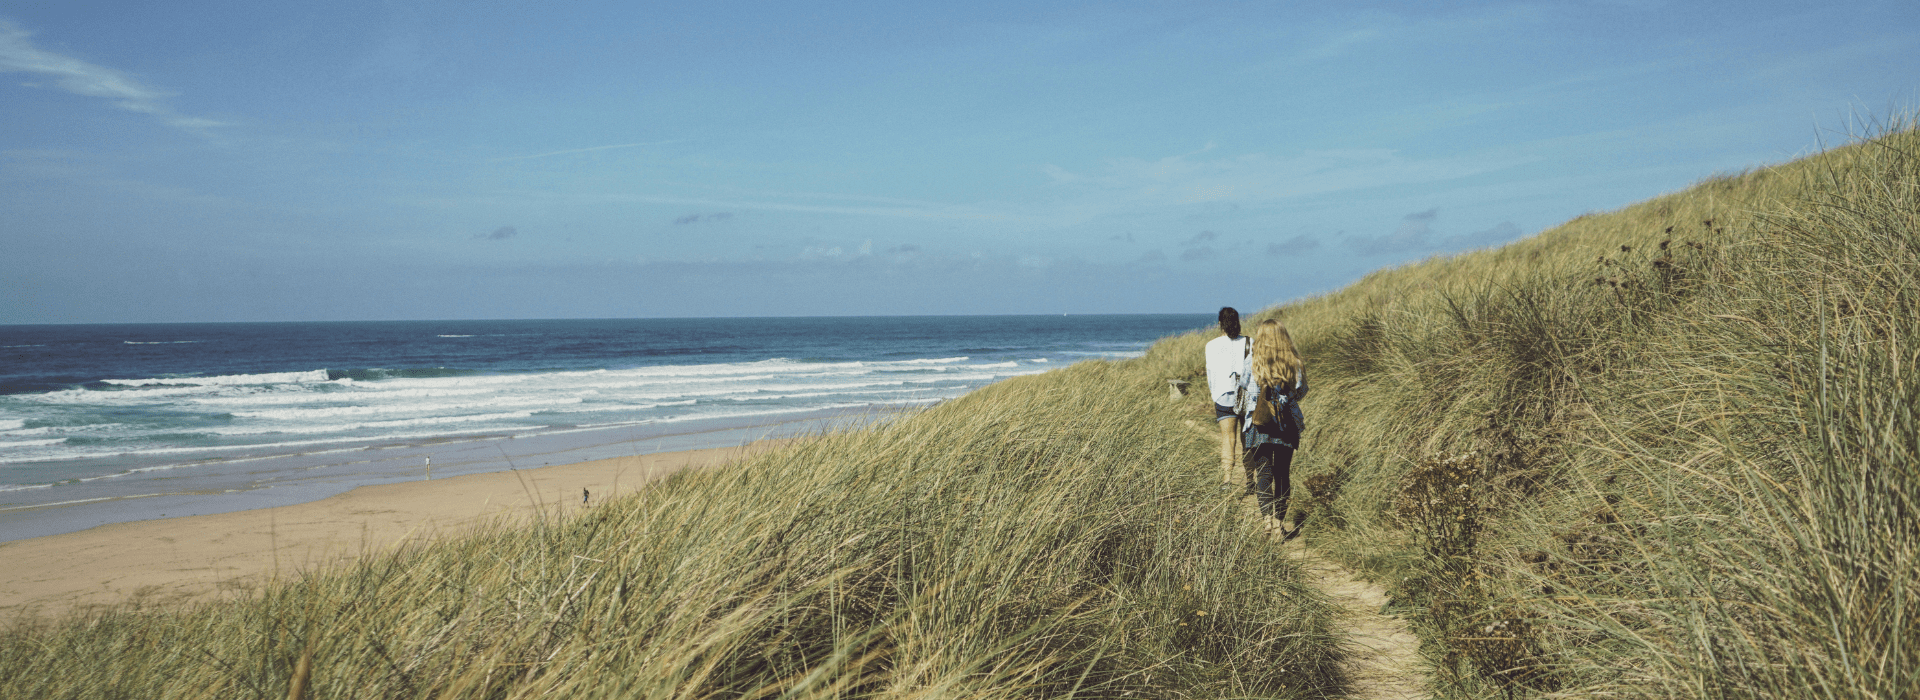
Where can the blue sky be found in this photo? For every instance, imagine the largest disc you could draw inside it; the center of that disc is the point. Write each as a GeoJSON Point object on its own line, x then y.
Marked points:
{"type": "Point", "coordinates": [242, 161]}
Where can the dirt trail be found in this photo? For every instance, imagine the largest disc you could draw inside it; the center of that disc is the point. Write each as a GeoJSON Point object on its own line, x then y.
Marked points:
{"type": "Point", "coordinates": [1386, 655]}
{"type": "Point", "coordinates": [1385, 664]}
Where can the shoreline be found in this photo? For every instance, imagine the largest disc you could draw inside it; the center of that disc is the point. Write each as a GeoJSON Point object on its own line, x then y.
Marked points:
{"type": "Point", "coordinates": [200, 558]}
{"type": "Point", "coordinates": [172, 490]}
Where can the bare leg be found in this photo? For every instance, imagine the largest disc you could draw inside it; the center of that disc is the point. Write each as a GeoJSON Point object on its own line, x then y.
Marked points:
{"type": "Point", "coordinates": [1231, 470]}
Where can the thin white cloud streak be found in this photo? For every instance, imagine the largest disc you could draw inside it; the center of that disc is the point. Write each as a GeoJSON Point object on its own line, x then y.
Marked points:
{"type": "Point", "coordinates": [1370, 32]}
{"type": "Point", "coordinates": [763, 194]}
{"type": "Point", "coordinates": [75, 173]}
{"type": "Point", "coordinates": [761, 200]}
{"type": "Point", "coordinates": [927, 211]}
{"type": "Point", "coordinates": [1118, 187]}
{"type": "Point", "coordinates": [19, 55]}
{"type": "Point", "coordinates": [586, 150]}
{"type": "Point", "coordinates": [1131, 184]}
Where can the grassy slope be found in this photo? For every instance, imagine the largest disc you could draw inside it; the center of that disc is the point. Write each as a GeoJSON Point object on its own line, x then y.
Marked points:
{"type": "Point", "coordinates": [1668, 451]}
{"type": "Point", "coordinates": [1038, 537]}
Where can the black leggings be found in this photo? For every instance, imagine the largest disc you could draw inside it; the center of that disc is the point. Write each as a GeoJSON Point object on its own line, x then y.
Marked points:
{"type": "Point", "coordinates": [1269, 468]}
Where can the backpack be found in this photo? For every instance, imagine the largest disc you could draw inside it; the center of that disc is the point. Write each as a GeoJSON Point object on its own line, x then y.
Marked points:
{"type": "Point", "coordinates": [1274, 421]}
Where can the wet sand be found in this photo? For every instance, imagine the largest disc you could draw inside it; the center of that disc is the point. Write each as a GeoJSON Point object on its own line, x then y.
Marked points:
{"type": "Point", "coordinates": [207, 557]}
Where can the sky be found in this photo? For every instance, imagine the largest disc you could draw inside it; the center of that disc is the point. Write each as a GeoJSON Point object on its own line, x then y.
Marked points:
{"type": "Point", "coordinates": [204, 161]}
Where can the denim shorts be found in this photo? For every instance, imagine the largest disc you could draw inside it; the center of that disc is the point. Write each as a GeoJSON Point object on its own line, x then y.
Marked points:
{"type": "Point", "coordinates": [1221, 412]}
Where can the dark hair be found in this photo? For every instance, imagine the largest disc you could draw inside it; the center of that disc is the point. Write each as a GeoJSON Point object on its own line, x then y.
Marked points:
{"type": "Point", "coordinates": [1229, 321]}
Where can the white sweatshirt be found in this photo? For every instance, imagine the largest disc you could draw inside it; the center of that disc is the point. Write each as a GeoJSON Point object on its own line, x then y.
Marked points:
{"type": "Point", "coordinates": [1228, 367]}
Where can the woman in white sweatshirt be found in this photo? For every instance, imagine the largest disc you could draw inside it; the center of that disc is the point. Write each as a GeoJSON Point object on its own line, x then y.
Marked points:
{"type": "Point", "coordinates": [1229, 370]}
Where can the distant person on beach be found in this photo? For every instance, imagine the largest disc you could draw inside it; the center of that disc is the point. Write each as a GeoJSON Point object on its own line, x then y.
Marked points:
{"type": "Point", "coordinates": [1274, 423]}
{"type": "Point", "coordinates": [1228, 370]}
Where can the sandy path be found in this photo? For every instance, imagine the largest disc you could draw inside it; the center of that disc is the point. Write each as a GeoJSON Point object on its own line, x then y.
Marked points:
{"type": "Point", "coordinates": [1385, 663]}
{"type": "Point", "coordinates": [206, 557]}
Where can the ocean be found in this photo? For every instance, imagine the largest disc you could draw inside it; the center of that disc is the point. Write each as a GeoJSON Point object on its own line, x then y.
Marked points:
{"type": "Point", "coordinates": [115, 423]}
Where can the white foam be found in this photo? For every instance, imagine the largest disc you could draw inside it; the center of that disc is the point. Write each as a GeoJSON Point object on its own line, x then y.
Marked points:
{"type": "Point", "coordinates": [305, 394]}
{"type": "Point", "coordinates": [475, 380]}
{"type": "Point", "coordinates": [940, 361]}
{"type": "Point", "coordinates": [318, 375]}
{"type": "Point", "coordinates": [164, 393]}
{"type": "Point", "coordinates": [65, 429]}
{"type": "Point", "coordinates": [161, 342]}
{"type": "Point", "coordinates": [311, 414]}
{"type": "Point", "coordinates": [83, 500]}
{"type": "Point", "coordinates": [370, 425]}
{"type": "Point", "coordinates": [277, 414]}
{"type": "Point", "coordinates": [276, 449]}
{"type": "Point", "coordinates": [614, 407]}
{"type": "Point", "coordinates": [24, 487]}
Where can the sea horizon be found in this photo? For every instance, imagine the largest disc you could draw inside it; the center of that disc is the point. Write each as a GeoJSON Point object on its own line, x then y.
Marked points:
{"type": "Point", "coordinates": [580, 318]}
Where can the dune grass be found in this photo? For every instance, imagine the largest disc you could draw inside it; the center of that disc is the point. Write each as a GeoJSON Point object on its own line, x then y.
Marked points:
{"type": "Point", "coordinates": [1668, 451]}
{"type": "Point", "coordinates": [1032, 539]}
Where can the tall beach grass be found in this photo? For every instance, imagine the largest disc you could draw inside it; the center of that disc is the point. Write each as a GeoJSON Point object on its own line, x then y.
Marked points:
{"type": "Point", "coordinates": [1668, 451]}
{"type": "Point", "coordinates": [1032, 539]}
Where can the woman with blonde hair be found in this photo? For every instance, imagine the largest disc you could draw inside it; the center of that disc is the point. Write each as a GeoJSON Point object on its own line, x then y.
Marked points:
{"type": "Point", "coordinates": [1272, 431]}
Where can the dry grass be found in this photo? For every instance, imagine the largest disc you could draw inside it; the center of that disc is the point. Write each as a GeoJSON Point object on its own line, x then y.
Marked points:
{"type": "Point", "coordinates": [1032, 539]}
{"type": "Point", "coordinates": [1668, 451]}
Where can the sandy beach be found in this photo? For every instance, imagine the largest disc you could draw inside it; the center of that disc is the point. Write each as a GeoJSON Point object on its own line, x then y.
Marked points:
{"type": "Point", "coordinates": [206, 557]}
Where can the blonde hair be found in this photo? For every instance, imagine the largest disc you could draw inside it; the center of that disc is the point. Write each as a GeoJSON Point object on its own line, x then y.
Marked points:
{"type": "Point", "coordinates": [1275, 361]}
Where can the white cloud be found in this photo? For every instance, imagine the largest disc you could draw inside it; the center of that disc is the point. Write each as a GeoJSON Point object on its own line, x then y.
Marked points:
{"type": "Point", "coordinates": [587, 150]}
{"type": "Point", "coordinates": [1296, 245]}
{"type": "Point", "coordinates": [69, 74]}
{"type": "Point", "coordinates": [1416, 234]}
{"type": "Point", "coordinates": [1341, 43]}
{"type": "Point", "coordinates": [798, 202]}
{"type": "Point", "coordinates": [1254, 178]}
{"type": "Point", "coordinates": [1350, 35]}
